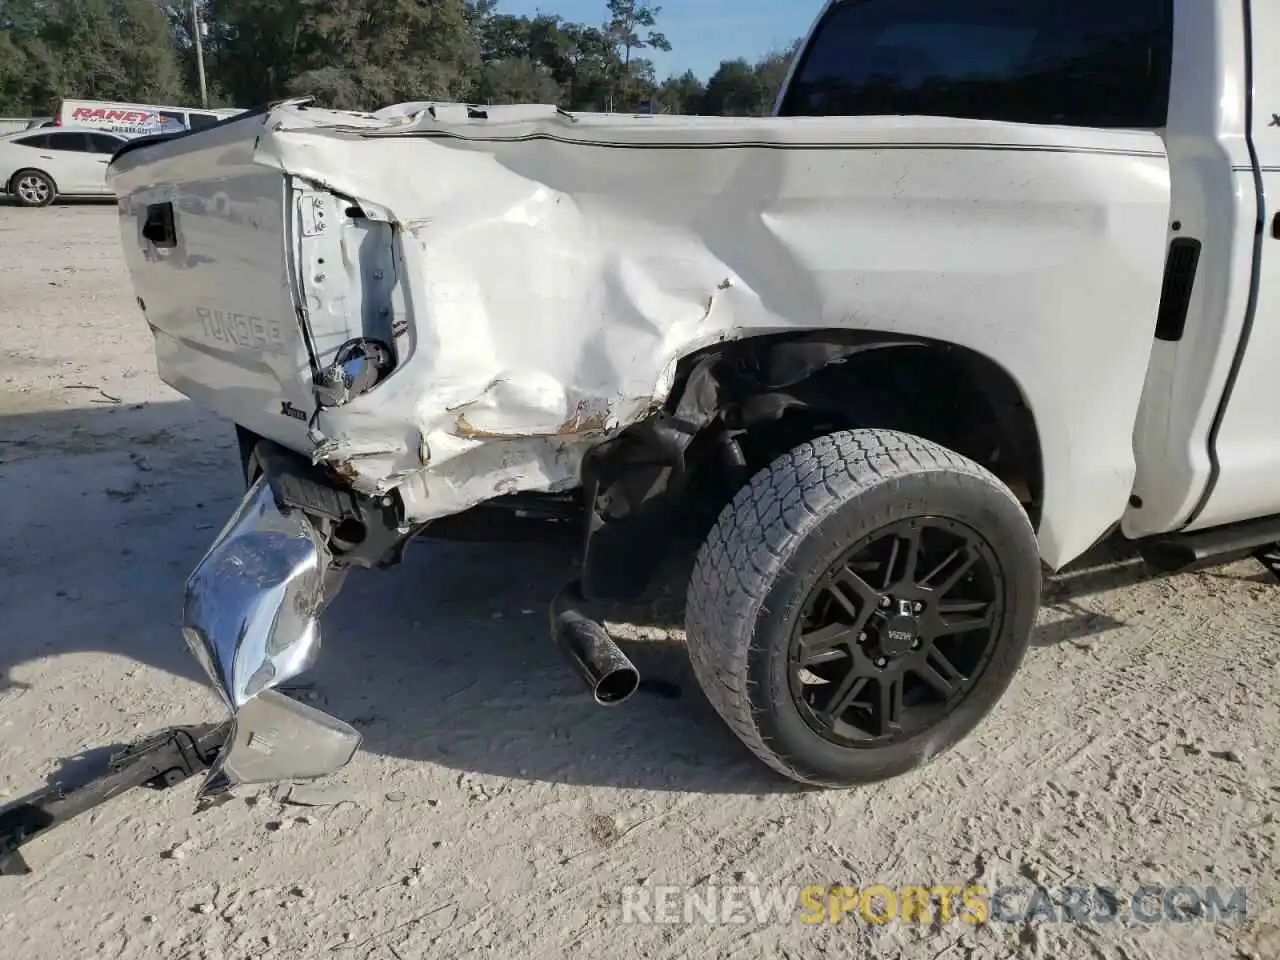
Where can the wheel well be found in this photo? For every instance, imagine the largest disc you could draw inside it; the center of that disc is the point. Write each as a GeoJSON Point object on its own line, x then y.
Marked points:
{"type": "Point", "coordinates": [13, 180]}
{"type": "Point", "coordinates": [736, 407]}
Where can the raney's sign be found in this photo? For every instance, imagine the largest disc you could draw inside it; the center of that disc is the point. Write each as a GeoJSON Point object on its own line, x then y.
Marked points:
{"type": "Point", "coordinates": [125, 121]}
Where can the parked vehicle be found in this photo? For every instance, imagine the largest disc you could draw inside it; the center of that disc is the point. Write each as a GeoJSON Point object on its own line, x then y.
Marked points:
{"type": "Point", "coordinates": [37, 167]}
{"type": "Point", "coordinates": [136, 119]}
{"type": "Point", "coordinates": [994, 282]}
{"type": "Point", "coordinates": [17, 124]}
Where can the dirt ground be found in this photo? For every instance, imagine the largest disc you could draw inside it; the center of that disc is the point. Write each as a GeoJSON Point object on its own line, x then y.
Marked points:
{"type": "Point", "coordinates": [493, 810]}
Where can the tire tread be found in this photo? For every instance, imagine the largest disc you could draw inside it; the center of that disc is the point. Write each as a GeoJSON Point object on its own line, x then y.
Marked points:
{"type": "Point", "coordinates": [761, 527]}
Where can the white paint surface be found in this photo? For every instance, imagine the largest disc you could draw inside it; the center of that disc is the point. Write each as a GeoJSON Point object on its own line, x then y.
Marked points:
{"type": "Point", "coordinates": [552, 271]}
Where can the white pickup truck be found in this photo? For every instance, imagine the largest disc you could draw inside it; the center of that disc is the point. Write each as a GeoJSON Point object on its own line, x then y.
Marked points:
{"type": "Point", "coordinates": [998, 278]}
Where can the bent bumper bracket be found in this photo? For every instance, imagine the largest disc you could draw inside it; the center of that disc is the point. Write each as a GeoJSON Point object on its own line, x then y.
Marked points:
{"type": "Point", "coordinates": [251, 617]}
{"type": "Point", "coordinates": [161, 761]}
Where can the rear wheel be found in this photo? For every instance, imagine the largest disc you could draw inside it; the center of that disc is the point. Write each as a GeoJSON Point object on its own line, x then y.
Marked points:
{"type": "Point", "coordinates": [861, 605]}
{"type": "Point", "coordinates": [33, 188]}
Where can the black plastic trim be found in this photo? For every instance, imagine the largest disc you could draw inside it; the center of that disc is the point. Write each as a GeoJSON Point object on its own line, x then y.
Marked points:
{"type": "Point", "coordinates": [159, 226]}
{"type": "Point", "coordinates": [775, 145]}
{"type": "Point", "coordinates": [1179, 282]}
{"type": "Point", "coordinates": [1212, 547]}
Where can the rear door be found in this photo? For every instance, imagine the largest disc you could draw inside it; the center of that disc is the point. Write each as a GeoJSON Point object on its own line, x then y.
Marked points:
{"type": "Point", "coordinates": [1183, 446]}
{"type": "Point", "coordinates": [72, 164]}
{"type": "Point", "coordinates": [1244, 480]}
{"type": "Point", "coordinates": [102, 146]}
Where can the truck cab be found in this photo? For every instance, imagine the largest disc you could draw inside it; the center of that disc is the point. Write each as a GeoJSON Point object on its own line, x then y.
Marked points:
{"type": "Point", "coordinates": [1204, 449]}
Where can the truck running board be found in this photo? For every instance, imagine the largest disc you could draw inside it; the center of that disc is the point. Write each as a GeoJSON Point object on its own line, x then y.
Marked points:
{"type": "Point", "coordinates": [160, 761]}
{"type": "Point", "coordinates": [1217, 545]}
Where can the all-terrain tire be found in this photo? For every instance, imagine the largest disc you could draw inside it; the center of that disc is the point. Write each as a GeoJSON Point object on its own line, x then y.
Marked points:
{"type": "Point", "coordinates": [783, 531]}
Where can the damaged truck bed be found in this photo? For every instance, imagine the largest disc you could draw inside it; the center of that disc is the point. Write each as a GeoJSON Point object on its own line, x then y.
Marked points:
{"type": "Point", "coordinates": [518, 285]}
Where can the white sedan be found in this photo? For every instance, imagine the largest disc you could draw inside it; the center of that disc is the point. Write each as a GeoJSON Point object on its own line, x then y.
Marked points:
{"type": "Point", "coordinates": [38, 165]}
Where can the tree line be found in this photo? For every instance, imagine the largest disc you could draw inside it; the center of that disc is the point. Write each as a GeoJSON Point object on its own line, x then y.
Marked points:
{"type": "Point", "coordinates": [358, 55]}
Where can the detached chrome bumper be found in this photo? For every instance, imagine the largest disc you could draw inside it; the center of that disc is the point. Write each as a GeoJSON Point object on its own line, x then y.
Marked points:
{"type": "Point", "coordinates": [251, 617]}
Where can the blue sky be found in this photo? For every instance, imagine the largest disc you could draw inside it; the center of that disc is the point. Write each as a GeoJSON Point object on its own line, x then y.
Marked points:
{"type": "Point", "coordinates": [702, 32]}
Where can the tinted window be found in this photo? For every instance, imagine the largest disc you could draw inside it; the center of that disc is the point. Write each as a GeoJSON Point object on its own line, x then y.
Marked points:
{"type": "Point", "coordinates": [1089, 63]}
{"type": "Point", "coordinates": [40, 140]}
{"type": "Point", "coordinates": [200, 121]}
{"type": "Point", "coordinates": [70, 142]}
{"type": "Point", "coordinates": [175, 117]}
{"type": "Point", "coordinates": [102, 143]}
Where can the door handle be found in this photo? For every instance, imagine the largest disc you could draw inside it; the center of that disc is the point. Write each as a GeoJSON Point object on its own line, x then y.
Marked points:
{"type": "Point", "coordinates": [1275, 227]}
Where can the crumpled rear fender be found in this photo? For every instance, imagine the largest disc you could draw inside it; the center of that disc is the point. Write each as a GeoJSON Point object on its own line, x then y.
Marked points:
{"type": "Point", "coordinates": [551, 271]}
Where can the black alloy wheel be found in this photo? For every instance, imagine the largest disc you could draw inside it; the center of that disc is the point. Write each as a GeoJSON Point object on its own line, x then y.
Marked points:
{"type": "Point", "coordinates": [861, 605]}
{"type": "Point", "coordinates": [896, 632]}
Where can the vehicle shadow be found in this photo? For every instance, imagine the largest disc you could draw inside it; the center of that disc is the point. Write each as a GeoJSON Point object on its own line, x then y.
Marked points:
{"type": "Point", "coordinates": [7, 200]}
{"type": "Point", "coordinates": [1113, 564]}
{"type": "Point", "coordinates": [446, 658]}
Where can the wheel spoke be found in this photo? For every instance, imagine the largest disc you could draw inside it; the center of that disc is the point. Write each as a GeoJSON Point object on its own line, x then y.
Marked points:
{"type": "Point", "coordinates": [891, 567]}
{"type": "Point", "coordinates": [819, 644]}
{"type": "Point", "coordinates": [911, 556]}
{"type": "Point", "coordinates": [889, 706]}
{"type": "Point", "coordinates": [947, 561]}
{"type": "Point", "coordinates": [846, 583]}
{"type": "Point", "coordinates": [846, 694]}
{"type": "Point", "coordinates": [947, 585]}
{"type": "Point", "coordinates": [938, 672]}
{"type": "Point", "coordinates": [951, 607]}
{"type": "Point", "coordinates": [952, 619]}
{"type": "Point", "coordinates": [858, 679]}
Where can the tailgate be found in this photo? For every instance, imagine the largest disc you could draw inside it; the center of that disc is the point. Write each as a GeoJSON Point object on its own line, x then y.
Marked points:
{"type": "Point", "coordinates": [205, 237]}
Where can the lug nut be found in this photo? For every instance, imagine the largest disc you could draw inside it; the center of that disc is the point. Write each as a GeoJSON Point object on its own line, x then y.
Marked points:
{"type": "Point", "coordinates": [885, 601]}
{"type": "Point", "coordinates": [862, 637]}
{"type": "Point", "coordinates": [882, 662]}
{"type": "Point", "coordinates": [917, 606]}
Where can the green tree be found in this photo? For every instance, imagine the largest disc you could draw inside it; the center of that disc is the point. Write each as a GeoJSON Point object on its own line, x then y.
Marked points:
{"type": "Point", "coordinates": [588, 83]}
{"type": "Point", "coordinates": [631, 27]}
{"type": "Point", "coordinates": [104, 49]}
{"type": "Point", "coordinates": [356, 54]}
{"type": "Point", "coordinates": [22, 53]}
{"type": "Point", "coordinates": [742, 89]}
{"type": "Point", "coordinates": [772, 72]}
{"type": "Point", "coordinates": [517, 80]}
{"type": "Point", "coordinates": [682, 94]}
{"type": "Point", "coordinates": [523, 59]}
{"type": "Point", "coordinates": [734, 90]}
{"type": "Point", "coordinates": [252, 47]}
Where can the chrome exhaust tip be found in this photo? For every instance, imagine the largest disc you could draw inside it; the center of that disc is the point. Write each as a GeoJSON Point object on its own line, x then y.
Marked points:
{"type": "Point", "coordinates": [608, 673]}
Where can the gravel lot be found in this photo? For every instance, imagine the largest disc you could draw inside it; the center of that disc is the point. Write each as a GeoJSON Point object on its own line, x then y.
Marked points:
{"type": "Point", "coordinates": [492, 810]}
